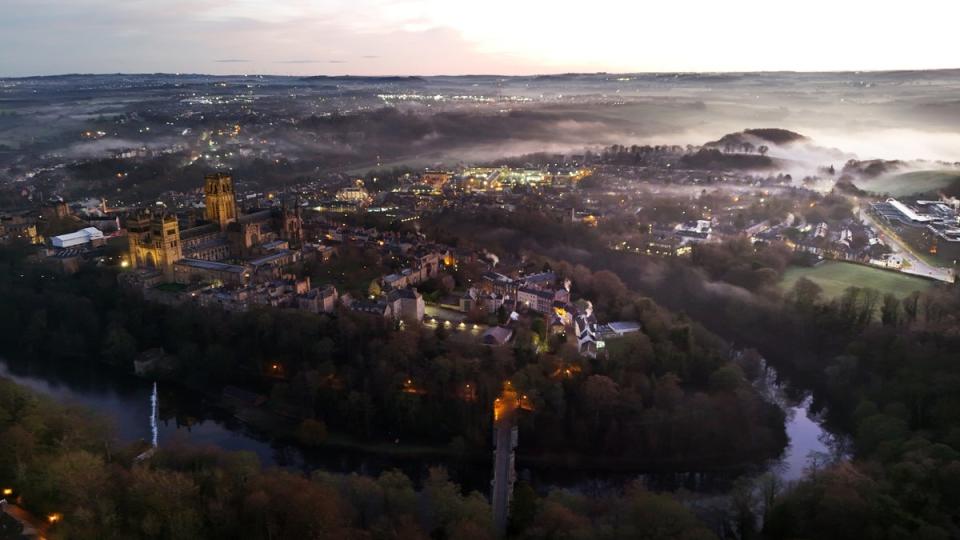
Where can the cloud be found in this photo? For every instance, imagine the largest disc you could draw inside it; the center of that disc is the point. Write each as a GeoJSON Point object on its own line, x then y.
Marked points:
{"type": "Point", "coordinates": [101, 36]}
{"type": "Point", "coordinates": [232, 61]}
{"type": "Point", "coordinates": [420, 37]}
{"type": "Point", "coordinates": [297, 61]}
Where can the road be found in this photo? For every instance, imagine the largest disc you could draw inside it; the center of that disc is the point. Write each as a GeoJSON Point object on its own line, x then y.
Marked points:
{"type": "Point", "coordinates": [917, 266]}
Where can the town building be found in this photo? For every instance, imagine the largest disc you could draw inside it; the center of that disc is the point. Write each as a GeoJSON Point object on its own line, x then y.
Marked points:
{"type": "Point", "coordinates": [319, 300]}
{"type": "Point", "coordinates": [406, 304]}
{"type": "Point", "coordinates": [91, 236]}
{"type": "Point", "coordinates": [589, 341]}
{"type": "Point", "coordinates": [18, 228]}
{"type": "Point", "coordinates": [496, 335]}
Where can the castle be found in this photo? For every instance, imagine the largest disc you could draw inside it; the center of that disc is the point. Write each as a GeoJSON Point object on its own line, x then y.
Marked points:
{"type": "Point", "coordinates": [213, 247]}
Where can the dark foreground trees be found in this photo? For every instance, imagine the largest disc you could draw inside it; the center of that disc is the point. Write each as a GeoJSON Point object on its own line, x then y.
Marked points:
{"type": "Point", "coordinates": [63, 461]}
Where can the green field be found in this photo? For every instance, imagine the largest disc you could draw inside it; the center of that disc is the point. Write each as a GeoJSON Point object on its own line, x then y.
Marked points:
{"type": "Point", "coordinates": [835, 277]}
{"type": "Point", "coordinates": [909, 183]}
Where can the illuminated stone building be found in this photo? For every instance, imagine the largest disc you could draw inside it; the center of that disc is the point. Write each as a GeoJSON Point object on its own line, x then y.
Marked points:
{"type": "Point", "coordinates": [157, 241]}
{"type": "Point", "coordinates": [154, 239]}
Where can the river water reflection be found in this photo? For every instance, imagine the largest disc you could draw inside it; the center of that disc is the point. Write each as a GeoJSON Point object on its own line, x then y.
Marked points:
{"type": "Point", "coordinates": [125, 399]}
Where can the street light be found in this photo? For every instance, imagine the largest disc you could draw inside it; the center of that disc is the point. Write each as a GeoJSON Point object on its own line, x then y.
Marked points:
{"type": "Point", "coordinates": [7, 492]}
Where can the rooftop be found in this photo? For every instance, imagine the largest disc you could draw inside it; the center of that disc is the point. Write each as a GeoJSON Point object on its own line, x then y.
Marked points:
{"type": "Point", "coordinates": [273, 257]}
{"type": "Point", "coordinates": [212, 265]}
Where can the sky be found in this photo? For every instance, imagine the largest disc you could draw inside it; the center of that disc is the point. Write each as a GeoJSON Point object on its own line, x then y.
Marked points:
{"type": "Point", "coordinates": [509, 37]}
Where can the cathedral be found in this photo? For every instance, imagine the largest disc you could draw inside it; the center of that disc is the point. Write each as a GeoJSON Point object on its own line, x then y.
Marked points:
{"type": "Point", "coordinates": [224, 235]}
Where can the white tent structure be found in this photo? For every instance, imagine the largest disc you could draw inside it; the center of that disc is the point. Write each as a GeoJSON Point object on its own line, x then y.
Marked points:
{"type": "Point", "coordinates": [78, 238]}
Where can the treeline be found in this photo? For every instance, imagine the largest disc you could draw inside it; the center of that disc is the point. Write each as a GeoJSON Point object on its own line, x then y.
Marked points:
{"type": "Point", "coordinates": [886, 369]}
{"type": "Point", "coordinates": [713, 159]}
{"type": "Point", "coordinates": [62, 462]}
{"type": "Point", "coordinates": [619, 154]}
{"type": "Point", "coordinates": [882, 368]}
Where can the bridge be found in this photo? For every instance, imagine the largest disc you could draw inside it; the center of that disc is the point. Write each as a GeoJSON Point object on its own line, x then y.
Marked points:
{"type": "Point", "coordinates": [505, 438]}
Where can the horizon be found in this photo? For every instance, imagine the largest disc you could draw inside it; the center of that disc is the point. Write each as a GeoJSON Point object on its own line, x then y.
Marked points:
{"type": "Point", "coordinates": [381, 37]}
{"type": "Point", "coordinates": [463, 75]}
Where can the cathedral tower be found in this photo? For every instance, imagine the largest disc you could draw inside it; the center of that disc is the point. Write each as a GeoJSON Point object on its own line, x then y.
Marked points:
{"type": "Point", "coordinates": [291, 226]}
{"type": "Point", "coordinates": [154, 242]}
{"type": "Point", "coordinates": [220, 199]}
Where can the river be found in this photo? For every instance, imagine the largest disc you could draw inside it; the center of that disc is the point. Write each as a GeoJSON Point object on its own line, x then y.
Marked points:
{"type": "Point", "coordinates": [125, 400]}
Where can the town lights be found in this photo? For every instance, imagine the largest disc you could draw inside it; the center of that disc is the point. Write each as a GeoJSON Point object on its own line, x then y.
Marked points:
{"type": "Point", "coordinates": [7, 492]}
{"type": "Point", "coordinates": [55, 517]}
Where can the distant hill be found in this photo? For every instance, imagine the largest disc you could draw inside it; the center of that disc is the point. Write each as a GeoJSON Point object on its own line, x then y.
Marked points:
{"type": "Point", "coordinates": [757, 137]}
{"type": "Point", "coordinates": [776, 135]}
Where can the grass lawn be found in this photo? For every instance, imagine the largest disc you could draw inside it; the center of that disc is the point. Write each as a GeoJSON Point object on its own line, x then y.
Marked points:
{"type": "Point", "coordinates": [834, 277]}
{"type": "Point", "coordinates": [171, 287]}
{"type": "Point", "coordinates": [902, 184]}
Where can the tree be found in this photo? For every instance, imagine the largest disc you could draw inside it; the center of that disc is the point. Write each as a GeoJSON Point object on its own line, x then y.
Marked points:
{"type": "Point", "coordinates": [890, 311]}
{"type": "Point", "coordinates": [878, 429]}
{"type": "Point", "coordinates": [805, 293]}
{"type": "Point", "coordinates": [743, 501]}
{"type": "Point", "coordinates": [668, 393]}
{"type": "Point", "coordinates": [312, 432]}
{"type": "Point", "coordinates": [601, 393]}
{"type": "Point", "coordinates": [763, 149]}
{"type": "Point", "coordinates": [119, 346]}
{"type": "Point", "coordinates": [726, 378]}
{"type": "Point", "coordinates": [523, 509]}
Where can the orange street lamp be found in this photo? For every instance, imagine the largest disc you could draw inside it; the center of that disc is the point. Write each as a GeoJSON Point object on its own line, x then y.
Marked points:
{"type": "Point", "coordinates": [7, 491]}
{"type": "Point", "coordinates": [55, 517]}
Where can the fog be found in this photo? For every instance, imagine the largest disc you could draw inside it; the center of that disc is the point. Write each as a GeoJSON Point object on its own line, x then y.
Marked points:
{"type": "Point", "coordinates": [892, 143]}
{"type": "Point", "coordinates": [358, 122]}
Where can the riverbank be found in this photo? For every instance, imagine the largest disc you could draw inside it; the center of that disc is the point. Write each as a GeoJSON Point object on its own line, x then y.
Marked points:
{"type": "Point", "coordinates": [203, 420]}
